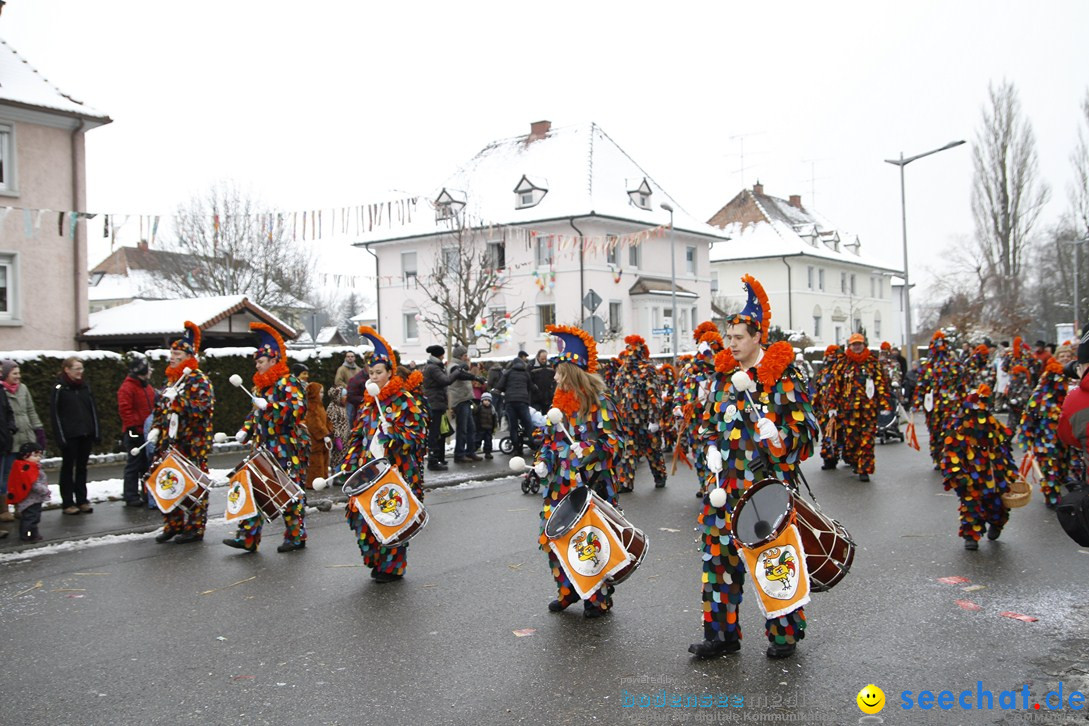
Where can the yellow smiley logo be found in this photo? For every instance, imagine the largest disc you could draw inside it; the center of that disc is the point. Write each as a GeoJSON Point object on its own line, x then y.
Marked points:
{"type": "Point", "coordinates": [870, 699]}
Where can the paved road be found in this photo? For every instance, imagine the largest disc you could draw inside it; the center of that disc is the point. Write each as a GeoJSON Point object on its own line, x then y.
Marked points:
{"type": "Point", "coordinates": [134, 632]}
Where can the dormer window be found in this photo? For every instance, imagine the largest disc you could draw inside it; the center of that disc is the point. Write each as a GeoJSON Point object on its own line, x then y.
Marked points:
{"type": "Point", "coordinates": [529, 192]}
{"type": "Point", "coordinates": [639, 193]}
{"type": "Point", "coordinates": [449, 204]}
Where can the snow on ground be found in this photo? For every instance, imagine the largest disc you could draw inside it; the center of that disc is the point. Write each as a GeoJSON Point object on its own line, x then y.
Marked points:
{"type": "Point", "coordinates": [107, 490]}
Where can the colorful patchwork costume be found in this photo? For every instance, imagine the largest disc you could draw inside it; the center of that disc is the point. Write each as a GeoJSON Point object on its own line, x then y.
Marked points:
{"type": "Point", "coordinates": [858, 390]}
{"type": "Point", "coordinates": [978, 465]}
{"type": "Point", "coordinates": [589, 461]}
{"type": "Point", "coordinates": [729, 431]}
{"type": "Point", "coordinates": [938, 393]}
{"type": "Point", "coordinates": [690, 400]}
{"type": "Point", "coordinates": [1023, 370]}
{"type": "Point", "coordinates": [279, 430]}
{"type": "Point", "coordinates": [639, 406]}
{"type": "Point", "coordinates": [1039, 429]}
{"type": "Point", "coordinates": [831, 444]}
{"type": "Point", "coordinates": [398, 433]}
{"type": "Point", "coordinates": [183, 418]}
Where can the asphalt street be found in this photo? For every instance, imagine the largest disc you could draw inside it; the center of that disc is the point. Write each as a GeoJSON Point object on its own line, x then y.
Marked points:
{"type": "Point", "coordinates": [135, 632]}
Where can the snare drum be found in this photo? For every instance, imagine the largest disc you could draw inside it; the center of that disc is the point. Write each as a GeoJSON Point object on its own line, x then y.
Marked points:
{"type": "Point", "coordinates": [259, 483]}
{"type": "Point", "coordinates": [829, 549]}
{"type": "Point", "coordinates": [763, 512]}
{"type": "Point", "coordinates": [175, 482]}
{"type": "Point", "coordinates": [393, 512]}
{"type": "Point", "coordinates": [595, 543]}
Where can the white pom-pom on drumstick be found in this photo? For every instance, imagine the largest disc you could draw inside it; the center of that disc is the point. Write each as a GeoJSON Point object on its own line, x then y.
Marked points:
{"type": "Point", "coordinates": [236, 381]}
{"type": "Point", "coordinates": [741, 382]}
{"type": "Point", "coordinates": [373, 388]}
{"type": "Point", "coordinates": [319, 483]}
{"type": "Point", "coordinates": [718, 497]}
{"type": "Point", "coordinates": [518, 464]}
{"type": "Point", "coordinates": [554, 416]}
{"type": "Point", "coordinates": [219, 437]}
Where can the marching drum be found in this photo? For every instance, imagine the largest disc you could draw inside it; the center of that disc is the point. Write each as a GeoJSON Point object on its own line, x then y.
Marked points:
{"type": "Point", "coordinates": [259, 484]}
{"type": "Point", "coordinates": [763, 512]}
{"type": "Point", "coordinates": [392, 511]}
{"type": "Point", "coordinates": [585, 547]}
{"type": "Point", "coordinates": [175, 482]}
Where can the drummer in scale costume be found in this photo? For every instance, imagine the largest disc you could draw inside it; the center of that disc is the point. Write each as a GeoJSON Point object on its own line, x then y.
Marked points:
{"type": "Point", "coordinates": [393, 427]}
{"type": "Point", "coordinates": [580, 451]}
{"type": "Point", "coordinates": [737, 447]}
{"type": "Point", "coordinates": [278, 428]}
{"type": "Point", "coordinates": [183, 420]}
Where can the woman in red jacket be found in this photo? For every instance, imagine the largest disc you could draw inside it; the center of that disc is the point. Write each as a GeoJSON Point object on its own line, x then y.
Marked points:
{"type": "Point", "coordinates": [135, 401]}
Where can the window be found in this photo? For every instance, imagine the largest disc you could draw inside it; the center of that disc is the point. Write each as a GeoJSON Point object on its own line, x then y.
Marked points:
{"type": "Point", "coordinates": [714, 282]}
{"type": "Point", "coordinates": [690, 260]}
{"type": "Point", "coordinates": [695, 316]}
{"type": "Point", "coordinates": [873, 286]}
{"type": "Point", "coordinates": [546, 315]}
{"type": "Point", "coordinates": [408, 267]}
{"type": "Point", "coordinates": [497, 318]}
{"type": "Point", "coordinates": [635, 254]}
{"type": "Point", "coordinates": [7, 287]}
{"type": "Point", "coordinates": [611, 254]}
{"type": "Point", "coordinates": [817, 314]}
{"type": "Point", "coordinates": [877, 325]}
{"type": "Point", "coordinates": [809, 276]}
{"type": "Point", "coordinates": [497, 255]}
{"type": "Point", "coordinates": [639, 193]}
{"type": "Point", "coordinates": [820, 279]}
{"type": "Point", "coordinates": [544, 252]}
{"type": "Point", "coordinates": [843, 282]}
{"type": "Point", "coordinates": [526, 199]}
{"type": "Point", "coordinates": [529, 192]}
{"type": "Point", "coordinates": [616, 321]}
{"type": "Point", "coordinates": [667, 318]}
{"type": "Point", "coordinates": [853, 290]}
{"type": "Point", "coordinates": [857, 327]}
{"type": "Point", "coordinates": [412, 330]}
{"type": "Point", "coordinates": [451, 260]}
{"type": "Point", "coordinates": [7, 158]}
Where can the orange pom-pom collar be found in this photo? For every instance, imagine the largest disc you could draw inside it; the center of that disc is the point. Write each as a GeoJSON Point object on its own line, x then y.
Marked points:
{"type": "Point", "coordinates": [273, 374]}
{"type": "Point", "coordinates": [858, 357]}
{"type": "Point", "coordinates": [566, 401]}
{"type": "Point", "coordinates": [777, 358]}
{"type": "Point", "coordinates": [393, 388]}
{"type": "Point", "coordinates": [414, 380]}
{"type": "Point", "coordinates": [173, 373]}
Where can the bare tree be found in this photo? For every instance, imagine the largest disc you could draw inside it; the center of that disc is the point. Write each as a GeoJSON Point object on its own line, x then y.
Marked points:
{"type": "Point", "coordinates": [230, 244]}
{"type": "Point", "coordinates": [1007, 199]}
{"type": "Point", "coordinates": [1079, 160]}
{"type": "Point", "coordinates": [467, 276]}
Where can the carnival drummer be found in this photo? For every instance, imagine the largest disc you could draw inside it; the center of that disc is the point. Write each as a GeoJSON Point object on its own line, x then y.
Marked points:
{"type": "Point", "coordinates": [741, 451]}
{"type": "Point", "coordinates": [183, 420]}
{"type": "Point", "coordinates": [393, 426]}
{"type": "Point", "coordinates": [278, 429]}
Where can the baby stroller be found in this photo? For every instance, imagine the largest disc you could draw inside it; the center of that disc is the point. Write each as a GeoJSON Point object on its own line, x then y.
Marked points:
{"type": "Point", "coordinates": [533, 439]}
{"type": "Point", "coordinates": [888, 421]}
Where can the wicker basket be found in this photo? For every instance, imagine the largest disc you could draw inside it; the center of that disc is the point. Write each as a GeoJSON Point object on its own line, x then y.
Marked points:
{"type": "Point", "coordinates": [1019, 494]}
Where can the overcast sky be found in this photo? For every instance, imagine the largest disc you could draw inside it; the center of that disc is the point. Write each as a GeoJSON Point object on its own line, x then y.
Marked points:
{"type": "Point", "coordinates": [325, 104]}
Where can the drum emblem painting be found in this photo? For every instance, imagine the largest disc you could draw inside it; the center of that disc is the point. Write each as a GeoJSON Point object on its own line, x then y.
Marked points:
{"type": "Point", "coordinates": [169, 483]}
{"type": "Point", "coordinates": [390, 505]}
{"type": "Point", "coordinates": [588, 551]}
{"type": "Point", "coordinates": [777, 572]}
{"type": "Point", "coordinates": [236, 498]}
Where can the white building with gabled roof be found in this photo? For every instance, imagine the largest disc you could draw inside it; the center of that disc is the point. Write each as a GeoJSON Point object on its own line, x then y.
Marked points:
{"type": "Point", "coordinates": [817, 279]}
{"type": "Point", "coordinates": [564, 211]}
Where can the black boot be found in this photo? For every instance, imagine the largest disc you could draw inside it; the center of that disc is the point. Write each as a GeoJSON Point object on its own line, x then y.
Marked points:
{"type": "Point", "coordinates": [714, 648]}
{"type": "Point", "coordinates": [165, 536]}
{"type": "Point", "coordinates": [187, 537]}
{"type": "Point", "coordinates": [289, 546]}
{"type": "Point", "coordinates": [781, 651]}
{"type": "Point", "coordinates": [829, 464]}
{"type": "Point", "coordinates": [993, 531]}
{"type": "Point", "coordinates": [863, 477]}
{"type": "Point", "coordinates": [970, 544]}
{"type": "Point", "coordinates": [239, 544]}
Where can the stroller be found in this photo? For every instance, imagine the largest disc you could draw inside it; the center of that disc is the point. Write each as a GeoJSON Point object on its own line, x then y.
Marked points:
{"type": "Point", "coordinates": [533, 439]}
{"type": "Point", "coordinates": [888, 421]}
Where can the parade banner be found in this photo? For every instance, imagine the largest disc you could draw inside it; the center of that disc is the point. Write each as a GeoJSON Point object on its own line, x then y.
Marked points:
{"type": "Point", "coordinates": [779, 571]}
{"type": "Point", "coordinates": [590, 553]}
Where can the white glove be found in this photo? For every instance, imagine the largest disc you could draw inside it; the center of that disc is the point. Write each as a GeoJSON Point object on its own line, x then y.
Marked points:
{"type": "Point", "coordinates": [170, 393]}
{"type": "Point", "coordinates": [653, 428]}
{"type": "Point", "coordinates": [240, 437]}
{"type": "Point", "coordinates": [385, 427]}
{"type": "Point", "coordinates": [540, 469]}
{"type": "Point", "coordinates": [576, 449]}
{"type": "Point", "coordinates": [153, 435]}
{"type": "Point", "coordinates": [832, 413]}
{"type": "Point", "coordinates": [677, 412]}
{"type": "Point", "coordinates": [714, 459]}
{"type": "Point", "coordinates": [260, 404]}
{"type": "Point", "coordinates": [768, 430]}
{"type": "Point", "coordinates": [377, 450]}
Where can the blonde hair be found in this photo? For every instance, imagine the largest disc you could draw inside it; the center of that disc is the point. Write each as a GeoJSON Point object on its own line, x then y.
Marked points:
{"type": "Point", "coordinates": [587, 387]}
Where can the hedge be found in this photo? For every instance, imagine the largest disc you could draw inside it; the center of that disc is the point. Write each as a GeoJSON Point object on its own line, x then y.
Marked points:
{"type": "Point", "coordinates": [104, 372]}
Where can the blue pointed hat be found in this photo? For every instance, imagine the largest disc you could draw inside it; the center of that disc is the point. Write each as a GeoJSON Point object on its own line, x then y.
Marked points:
{"type": "Point", "coordinates": [757, 309]}
{"type": "Point", "coordinates": [269, 342]}
{"type": "Point", "coordinates": [189, 342]}
{"type": "Point", "coordinates": [383, 351]}
{"type": "Point", "coordinates": [579, 347]}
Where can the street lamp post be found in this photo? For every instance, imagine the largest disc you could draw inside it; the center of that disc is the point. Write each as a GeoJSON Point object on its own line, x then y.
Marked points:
{"type": "Point", "coordinates": [1077, 269]}
{"type": "Point", "coordinates": [902, 162]}
{"type": "Point", "coordinates": [672, 280]}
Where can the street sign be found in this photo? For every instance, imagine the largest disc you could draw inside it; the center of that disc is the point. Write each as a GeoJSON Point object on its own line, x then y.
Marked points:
{"type": "Point", "coordinates": [662, 331]}
{"type": "Point", "coordinates": [595, 326]}
{"type": "Point", "coordinates": [591, 301]}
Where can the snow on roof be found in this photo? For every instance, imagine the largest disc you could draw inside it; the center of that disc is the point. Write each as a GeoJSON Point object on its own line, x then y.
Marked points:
{"type": "Point", "coordinates": [167, 317]}
{"type": "Point", "coordinates": [784, 230]}
{"type": "Point", "coordinates": [581, 169]}
{"type": "Point", "coordinates": [137, 284]}
{"type": "Point", "coordinates": [21, 83]}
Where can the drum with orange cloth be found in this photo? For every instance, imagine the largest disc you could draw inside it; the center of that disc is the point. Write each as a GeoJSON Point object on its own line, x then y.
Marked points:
{"type": "Point", "coordinates": [259, 484]}
{"type": "Point", "coordinates": [175, 482]}
{"type": "Point", "coordinates": [595, 544]}
{"type": "Point", "coordinates": [391, 509]}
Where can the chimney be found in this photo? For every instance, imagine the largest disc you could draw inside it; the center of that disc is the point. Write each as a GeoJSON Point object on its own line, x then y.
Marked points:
{"type": "Point", "coordinates": [795, 200]}
{"type": "Point", "coordinates": [142, 245]}
{"type": "Point", "coordinates": [538, 130]}
{"type": "Point", "coordinates": [757, 188]}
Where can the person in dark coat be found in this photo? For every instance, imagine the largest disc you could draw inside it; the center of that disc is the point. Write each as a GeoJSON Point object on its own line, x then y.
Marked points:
{"type": "Point", "coordinates": [135, 401]}
{"type": "Point", "coordinates": [353, 399]}
{"type": "Point", "coordinates": [75, 428]}
{"type": "Point", "coordinates": [435, 382]}
{"type": "Point", "coordinates": [518, 391]}
{"type": "Point", "coordinates": [543, 376]}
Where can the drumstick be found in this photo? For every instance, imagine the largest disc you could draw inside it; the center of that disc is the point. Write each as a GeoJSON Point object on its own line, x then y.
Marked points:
{"type": "Point", "coordinates": [374, 389]}
{"type": "Point", "coordinates": [322, 482]}
{"type": "Point", "coordinates": [236, 381]}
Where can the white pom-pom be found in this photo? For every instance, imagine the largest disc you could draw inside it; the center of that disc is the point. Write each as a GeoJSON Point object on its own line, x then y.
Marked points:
{"type": "Point", "coordinates": [554, 416]}
{"type": "Point", "coordinates": [261, 403]}
{"type": "Point", "coordinates": [134, 451]}
{"type": "Point", "coordinates": [236, 380]}
{"type": "Point", "coordinates": [373, 388]}
{"type": "Point", "coordinates": [718, 498]}
{"type": "Point", "coordinates": [319, 483]}
{"type": "Point", "coordinates": [741, 382]}
{"type": "Point", "coordinates": [219, 437]}
{"type": "Point", "coordinates": [517, 463]}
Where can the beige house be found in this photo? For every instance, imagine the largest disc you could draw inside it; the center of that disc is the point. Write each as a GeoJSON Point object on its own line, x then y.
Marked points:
{"type": "Point", "coordinates": [43, 242]}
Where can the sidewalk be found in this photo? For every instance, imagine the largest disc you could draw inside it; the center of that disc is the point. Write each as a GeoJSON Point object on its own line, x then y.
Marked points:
{"type": "Point", "coordinates": [113, 517]}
